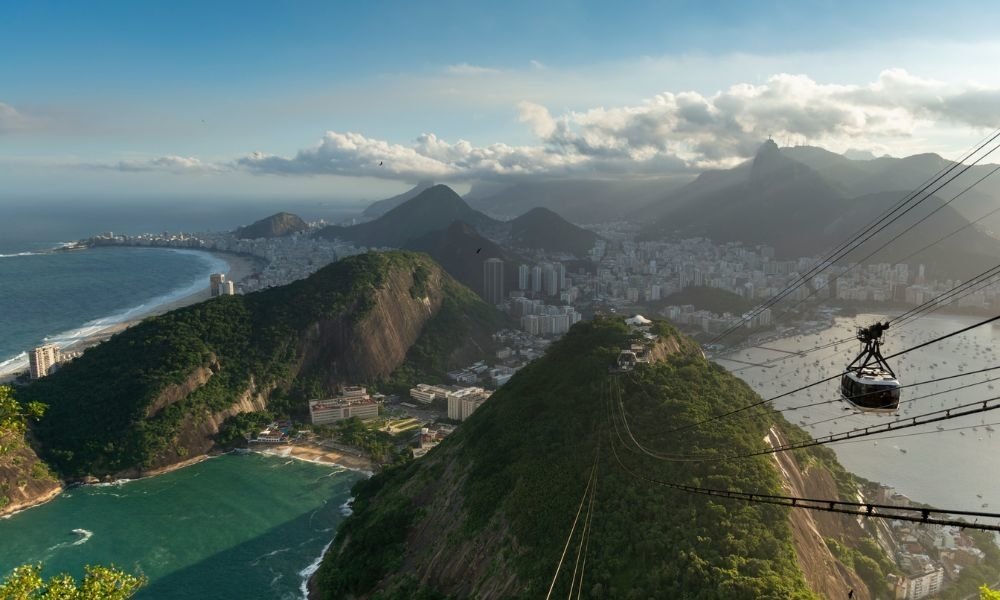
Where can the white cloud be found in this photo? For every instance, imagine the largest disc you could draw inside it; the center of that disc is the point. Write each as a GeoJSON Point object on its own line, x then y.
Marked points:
{"type": "Point", "coordinates": [170, 164]}
{"type": "Point", "coordinates": [11, 120]}
{"type": "Point", "coordinates": [671, 132]}
{"type": "Point", "coordinates": [467, 69]}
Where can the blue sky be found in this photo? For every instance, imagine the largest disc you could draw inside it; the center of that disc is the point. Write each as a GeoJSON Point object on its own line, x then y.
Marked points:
{"type": "Point", "coordinates": [119, 98]}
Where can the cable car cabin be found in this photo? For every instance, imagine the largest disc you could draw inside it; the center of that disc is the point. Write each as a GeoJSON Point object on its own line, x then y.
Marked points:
{"type": "Point", "coordinates": [626, 362]}
{"type": "Point", "coordinates": [868, 383]}
{"type": "Point", "coordinates": [871, 390]}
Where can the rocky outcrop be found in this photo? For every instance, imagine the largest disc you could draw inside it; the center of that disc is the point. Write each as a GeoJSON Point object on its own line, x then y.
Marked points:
{"type": "Point", "coordinates": [826, 575]}
{"type": "Point", "coordinates": [25, 480]}
{"type": "Point", "coordinates": [349, 350]}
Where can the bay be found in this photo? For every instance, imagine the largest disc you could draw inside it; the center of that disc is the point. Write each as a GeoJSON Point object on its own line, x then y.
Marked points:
{"type": "Point", "coordinates": [234, 526]}
{"type": "Point", "coordinates": [954, 468]}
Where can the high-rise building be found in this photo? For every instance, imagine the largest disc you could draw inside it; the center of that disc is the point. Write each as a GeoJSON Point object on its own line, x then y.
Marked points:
{"type": "Point", "coordinates": [42, 359]}
{"type": "Point", "coordinates": [536, 278]}
{"type": "Point", "coordinates": [217, 284]}
{"type": "Point", "coordinates": [560, 275]}
{"type": "Point", "coordinates": [493, 280]}
{"type": "Point", "coordinates": [523, 277]}
{"type": "Point", "coordinates": [229, 288]}
{"type": "Point", "coordinates": [550, 279]}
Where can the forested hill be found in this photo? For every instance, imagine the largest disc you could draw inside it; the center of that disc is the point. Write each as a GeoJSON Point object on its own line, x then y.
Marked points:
{"type": "Point", "coordinates": [277, 225]}
{"type": "Point", "coordinates": [158, 392]}
{"type": "Point", "coordinates": [487, 513]}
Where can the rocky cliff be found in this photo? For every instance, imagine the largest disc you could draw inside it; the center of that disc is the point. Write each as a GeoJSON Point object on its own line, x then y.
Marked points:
{"type": "Point", "coordinates": [24, 479]}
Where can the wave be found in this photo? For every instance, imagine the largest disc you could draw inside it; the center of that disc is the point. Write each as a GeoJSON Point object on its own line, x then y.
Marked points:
{"type": "Point", "coordinates": [84, 536]}
{"type": "Point", "coordinates": [95, 327]}
{"type": "Point", "coordinates": [307, 572]}
{"type": "Point", "coordinates": [347, 508]}
{"type": "Point", "coordinates": [16, 254]}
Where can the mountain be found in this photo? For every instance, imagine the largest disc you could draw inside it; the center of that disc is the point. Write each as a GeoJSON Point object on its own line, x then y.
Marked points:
{"type": "Point", "coordinates": [581, 201]}
{"type": "Point", "coordinates": [540, 228]}
{"type": "Point", "coordinates": [159, 392]}
{"type": "Point", "coordinates": [433, 209]}
{"type": "Point", "coordinates": [461, 251]}
{"type": "Point", "coordinates": [277, 225]}
{"type": "Point", "coordinates": [776, 201]}
{"type": "Point", "coordinates": [486, 514]}
{"type": "Point", "coordinates": [904, 175]}
{"type": "Point", "coordinates": [804, 201]}
{"type": "Point", "coordinates": [380, 207]}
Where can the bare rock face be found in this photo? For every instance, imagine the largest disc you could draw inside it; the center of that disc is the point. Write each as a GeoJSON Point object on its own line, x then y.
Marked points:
{"type": "Point", "coordinates": [361, 344]}
{"type": "Point", "coordinates": [24, 479]}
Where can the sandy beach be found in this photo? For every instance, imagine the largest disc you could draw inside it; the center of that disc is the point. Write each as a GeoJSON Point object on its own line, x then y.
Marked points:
{"type": "Point", "coordinates": [238, 268]}
{"type": "Point", "coordinates": [312, 452]}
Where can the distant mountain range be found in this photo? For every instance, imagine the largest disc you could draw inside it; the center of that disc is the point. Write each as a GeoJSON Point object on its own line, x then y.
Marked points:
{"type": "Point", "coordinates": [581, 201]}
{"type": "Point", "coordinates": [461, 251]}
{"type": "Point", "coordinates": [433, 209]}
{"type": "Point", "coordinates": [803, 201]}
{"type": "Point", "coordinates": [436, 208]}
{"type": "Point", "coordinates": [540, 228]}
{"type": "Point", "coordinates": [277, 225]}
{"type": "Point", "coordinates": [380, 207]}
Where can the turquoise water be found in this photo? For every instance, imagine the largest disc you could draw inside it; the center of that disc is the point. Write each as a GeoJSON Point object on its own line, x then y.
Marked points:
{"type": "Point", "coordinates": [62, 296]}
{"type": "Point", "coordinates": [229, 527]}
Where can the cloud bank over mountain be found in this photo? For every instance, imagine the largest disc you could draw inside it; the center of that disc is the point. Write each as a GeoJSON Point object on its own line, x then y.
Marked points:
{"type": "Point", "coordinates": [672, 132]}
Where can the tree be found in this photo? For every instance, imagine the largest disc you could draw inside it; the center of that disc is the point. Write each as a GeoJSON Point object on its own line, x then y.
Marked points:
{"type": "Point", "coordinates": [99, 583]}
{"type": "Point", "coordinates": [985, 593]}
{"type": "Point", "coordinates": [13, 414]}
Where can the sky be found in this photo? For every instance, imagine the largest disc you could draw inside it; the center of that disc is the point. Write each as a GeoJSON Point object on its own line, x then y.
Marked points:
{"type": "Point", "coordinates": [353, 101]}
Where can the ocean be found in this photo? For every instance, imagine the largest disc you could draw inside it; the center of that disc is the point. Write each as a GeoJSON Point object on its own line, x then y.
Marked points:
{"type": "Point", "coordinates": [953, 468]}
{"type": "Point", "coordinates": [234, 526]}
{"type": "Point", "coordinates": [61, 297]}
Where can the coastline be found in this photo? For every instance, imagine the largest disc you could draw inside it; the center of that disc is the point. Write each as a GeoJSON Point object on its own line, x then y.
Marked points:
{"type": "Point", "coordinates": [312, 453]}
{"type": "Point", "coordinates": [315, 453]}
{"type": "Point", "coordinates": [238, 267]}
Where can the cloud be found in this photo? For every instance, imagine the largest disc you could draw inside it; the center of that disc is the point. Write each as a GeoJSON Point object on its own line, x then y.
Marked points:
{"type": "Point", "coordinates": [170, 164]}
{"type": "Point", "coordinates": [11, 120]}
{"type": "Point", "coordinates": [467, 69]}
{"type": "Point", "coordinates": [669, 133]}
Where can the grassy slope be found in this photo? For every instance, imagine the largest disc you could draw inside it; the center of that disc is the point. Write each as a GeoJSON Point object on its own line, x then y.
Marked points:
{"type": "Point", "coordinates": [525, 455]}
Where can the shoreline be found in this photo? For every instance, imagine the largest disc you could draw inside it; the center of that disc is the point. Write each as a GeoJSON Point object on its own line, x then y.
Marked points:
{"type": "Point", "coordinates": [238, 267]}
{"type": "Point", "coordinates": [311, 453]}
{"type": "Point", "coordinates": [318, 454]}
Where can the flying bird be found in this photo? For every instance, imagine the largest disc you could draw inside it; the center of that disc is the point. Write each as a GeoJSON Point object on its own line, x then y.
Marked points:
{"type": "Point", "coordinates": [477, 250]}
{"type": "Point", "coordinates": [380, 163]}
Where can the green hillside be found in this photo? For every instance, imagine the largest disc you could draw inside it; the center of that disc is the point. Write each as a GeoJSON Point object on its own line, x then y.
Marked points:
{"type": "Point", "coordinates": [277, 225]}
{"type": "Point", "coordinates": [136, 398]}
{"type": "Point", "coordinates": [499, 496]}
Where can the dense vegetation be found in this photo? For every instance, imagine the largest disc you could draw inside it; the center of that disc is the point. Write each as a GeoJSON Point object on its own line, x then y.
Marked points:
{"type": "Point", "coordinates": [524, 457]}
{"type": "Point", "coordinates": [462, 328]}
{"type": "Point", "coordinates": [99, 583]}
{"type": "Point", "coordinates": [102, 418]}
{"type": "Point", "coordinates": [708, 298]}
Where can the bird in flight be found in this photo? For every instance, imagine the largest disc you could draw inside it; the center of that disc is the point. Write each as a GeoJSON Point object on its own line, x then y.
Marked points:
{"type": "Point", "coordinates": [380, 163]}
{"type": "Point", "coordinates": [477, 250]}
